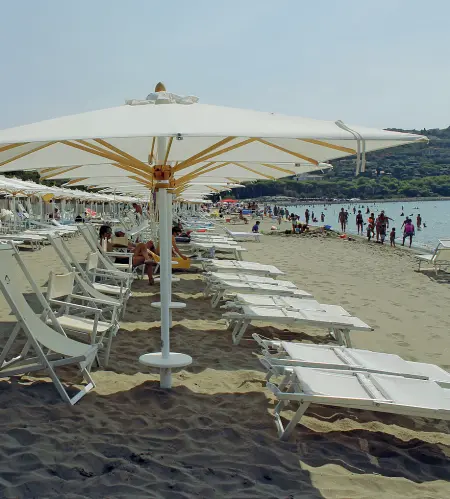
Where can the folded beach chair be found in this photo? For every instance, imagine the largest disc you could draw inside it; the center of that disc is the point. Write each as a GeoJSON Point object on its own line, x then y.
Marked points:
{"type": "Point", "coordinates": [85, 319]}
{"type": "Point", "coordinates": [440, 257]}
{"type": "Point", "coordinates": [279, 357]}
{"type": "Point", "coordinates": [234, 266]}
{"type": "Point", "coordinates": [360, 390]}
{"type": "Point", "coordinates": [52, 349]}
{"type": "Point", "coordinates": [339, 325]}
{"type": "Point", "coordinates": [212, 247]}
{"type": "Point", "coordinates": [115, 298]}
{"type": "Point", "coordinates": [246, 236]}
{"type": "Point", "coordinates": [90, 236]}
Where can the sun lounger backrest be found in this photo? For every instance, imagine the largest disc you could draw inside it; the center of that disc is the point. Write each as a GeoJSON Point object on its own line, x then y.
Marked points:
{"type": "Point", "coordinates": [9, 272]}
{"type": "Point", "coordinates": [442, 255]}
{"type": "Point", "coordinates": [60, 285]}
{"type": "Point", "coordinates": [56, 242]}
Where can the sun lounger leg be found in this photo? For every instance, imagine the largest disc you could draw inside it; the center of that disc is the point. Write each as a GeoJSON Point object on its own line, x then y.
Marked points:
{"type": "Point", "coordinates": [348, 341]}
{"type": "Point", "coordinates": [284, 433]}
{"type": "Point", "coordinates": [216, 298]}
{"type": "Point", "coordinates": [239, 331]}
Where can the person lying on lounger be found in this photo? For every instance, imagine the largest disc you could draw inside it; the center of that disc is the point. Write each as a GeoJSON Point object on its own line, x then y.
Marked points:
{"type": "Point", "coordinates": [141, 251]}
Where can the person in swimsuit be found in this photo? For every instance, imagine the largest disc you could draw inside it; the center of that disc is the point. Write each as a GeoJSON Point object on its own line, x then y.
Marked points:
{"type": "Point", "coordinates": [342, 219]}
{"type": "Point", "coordinates": [419, 221]}
{"type": "Point", "coordinates": [141, 255]}
{"type": "Point", "coordinates": [408, 232]}
{"type": "Point", "coordinates": [359, 222]}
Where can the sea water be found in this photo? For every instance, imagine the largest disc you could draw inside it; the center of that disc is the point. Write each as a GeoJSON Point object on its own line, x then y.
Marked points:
{"type": "Point", "coordinates": [435, 215]}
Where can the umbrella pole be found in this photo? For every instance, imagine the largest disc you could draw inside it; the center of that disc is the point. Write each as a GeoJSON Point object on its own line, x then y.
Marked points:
{"type": "Point", "coordinates": [165, 360]}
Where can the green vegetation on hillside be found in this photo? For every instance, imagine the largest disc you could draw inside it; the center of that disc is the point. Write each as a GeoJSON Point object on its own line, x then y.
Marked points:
{"type": "Point", "coordinates": [406, 171]}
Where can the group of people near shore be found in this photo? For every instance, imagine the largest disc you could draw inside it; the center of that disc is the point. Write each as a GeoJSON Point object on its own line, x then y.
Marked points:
{"type": "Point", "coordinates": [378, 227]}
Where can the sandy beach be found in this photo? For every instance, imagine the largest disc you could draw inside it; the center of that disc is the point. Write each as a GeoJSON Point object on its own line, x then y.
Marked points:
{"type": "Point", "coordinates": [213, 434]}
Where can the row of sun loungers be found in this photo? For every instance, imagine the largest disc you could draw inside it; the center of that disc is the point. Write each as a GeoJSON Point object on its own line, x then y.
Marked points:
{"type": "Point", "coordinates": [87, 302]}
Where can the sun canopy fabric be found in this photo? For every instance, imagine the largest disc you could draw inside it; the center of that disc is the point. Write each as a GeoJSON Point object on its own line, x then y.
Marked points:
{"type": "Point", "coordinates": [198, 134]}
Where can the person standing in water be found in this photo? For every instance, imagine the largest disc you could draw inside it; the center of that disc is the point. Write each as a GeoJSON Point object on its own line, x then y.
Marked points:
{"type": "Point", "coordinates": [408, 232]}
{"type": "Point", "coordinates": [342, 219]}
{"type": "Point", "coordinates": [322, 217]}
{"type": "Point", "coordinates": [419, 221]}
{"type": "Point", "coordinates": [359, 222]}
{"type": "Point", "coordinates": [307, 215]}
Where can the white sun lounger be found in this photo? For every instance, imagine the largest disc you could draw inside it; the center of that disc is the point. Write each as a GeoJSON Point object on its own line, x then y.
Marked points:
{"type": "Point", "coordinates": [339, 325]}
{"type": "Point", "coordinates": [287, 302]}
{"type": "Point", "coordinates": [34, 240]}
{"type": "Point", "coordinates": [247, 236]}
{"type": "Point", "coordinates": [213, 277]}
{"type": "Point", "coordinates": [224, 288]}
{"type": "Point", "coordinates": [281, 356]}
{"type": "Point", "coordinates": [52, 349]}
{"type": "Point", "coordinates": [219, 248]}
{"type": "Point", "coordinates": [360, 390]}
{"type": "Point", "coordinates": [440, 257]}
{"type": "Point", "coordinates": [244, 267]}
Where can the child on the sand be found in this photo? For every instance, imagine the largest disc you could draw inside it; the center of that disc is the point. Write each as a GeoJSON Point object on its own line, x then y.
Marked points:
{"type": "Point", "coordinates": [392, 237]}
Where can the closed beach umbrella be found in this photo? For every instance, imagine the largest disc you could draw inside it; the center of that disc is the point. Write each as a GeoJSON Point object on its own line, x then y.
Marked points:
{"type": "Point", "coordinates": [166, 141]}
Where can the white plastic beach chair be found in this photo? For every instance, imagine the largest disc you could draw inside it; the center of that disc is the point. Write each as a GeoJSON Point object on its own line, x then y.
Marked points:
{"type": "Point", "coordinates": [234, 266]}
{"type": "Point", "coordinates": [51, 348]}
{"type": "Point", "coordinates": [440, 257]}
{"type": "Point", "coordinates": [87, 320]}
{"type": "Point", "coordinates": [360, 390]}
{"type": "Point", "coordinates": [339, 325]}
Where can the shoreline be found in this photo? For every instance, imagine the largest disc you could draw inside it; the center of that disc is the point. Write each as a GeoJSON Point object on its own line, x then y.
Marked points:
{"type": "Point", "coordinates": [301, 202]}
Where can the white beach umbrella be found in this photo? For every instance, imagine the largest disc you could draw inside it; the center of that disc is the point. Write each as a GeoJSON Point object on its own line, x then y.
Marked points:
{"type": "Point", "coordinates": [168, 140]}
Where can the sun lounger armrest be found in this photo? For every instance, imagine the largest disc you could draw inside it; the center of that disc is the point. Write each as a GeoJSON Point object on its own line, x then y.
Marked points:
{"type": "Point", "coordinates": [94, 300]}
{"type": "Point", "coordinates": [95, 311]}
{"type": "Point", "coordinates": [118, 254]}
{"type": "Point", "coordinates": [111, 273]}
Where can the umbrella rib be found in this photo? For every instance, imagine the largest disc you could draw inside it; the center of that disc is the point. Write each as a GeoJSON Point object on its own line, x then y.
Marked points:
{"type": "Point", "coordinates": [330, 146]}
{"type": "Point", "coordinates": [254, 171]}
{"type": "Point", "coordinates": [52, 174]}
{"type": "Point", "coordinates": [169, 145]}
{"type": "Point", "coordinates": [195, 158]}
{"type": "Point", "coordinates": [200, 171]}
{"type": "Point", "coordinates": [296, 154]}
{"type": "Point", "coordinates": [275, 167]}
{"type": "Point", "coordinates": [23, 154]}
{"type": "Point", "coordinates": [120, 152]}
{"type": "Point", "coordinates": [12, 146]}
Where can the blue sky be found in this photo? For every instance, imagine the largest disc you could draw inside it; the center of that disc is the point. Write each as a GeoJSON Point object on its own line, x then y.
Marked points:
{"type": "Point", "coordinates": [376, 63]}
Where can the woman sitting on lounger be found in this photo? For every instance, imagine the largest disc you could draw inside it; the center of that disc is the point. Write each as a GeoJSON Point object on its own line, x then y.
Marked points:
{"type": "Point", "coordinates": [141, 255]}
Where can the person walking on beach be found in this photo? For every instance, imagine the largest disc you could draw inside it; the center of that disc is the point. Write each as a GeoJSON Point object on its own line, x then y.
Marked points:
{"type": "Point", "coordinates": [359, 222]}
{"type": "Point", "coordinates": [342, 219]}
{"type": "Point", "coordinates": [371, 225]}
{"type": "Point", "coordinates": [255, 228]}
{"type": "Point", "coordinates": [392, 237]}
{"type": "Point", "coordinates": [408, 232]}
{"type": "Point", "coordinates": [307, 215]}
{"type": "Point", "coordinates": [419, 221]}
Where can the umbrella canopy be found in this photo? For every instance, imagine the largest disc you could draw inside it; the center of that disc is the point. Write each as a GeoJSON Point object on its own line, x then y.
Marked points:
{"type": "Point", "coordinates": [167, 140]}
